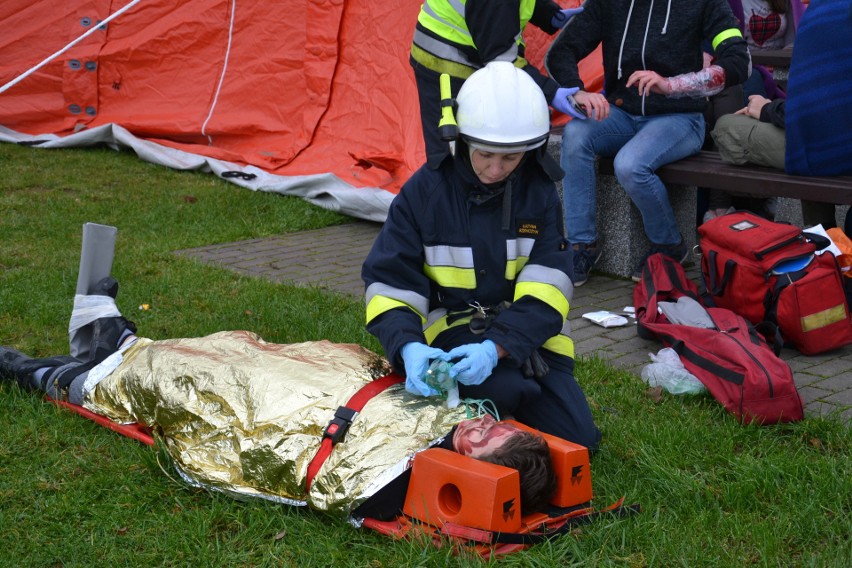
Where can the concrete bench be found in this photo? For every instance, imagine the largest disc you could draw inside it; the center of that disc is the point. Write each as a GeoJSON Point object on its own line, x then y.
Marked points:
{"type": "Point", "coordinates": [621, 236]}
{"type": "Point", "coordinates": [620, 231]}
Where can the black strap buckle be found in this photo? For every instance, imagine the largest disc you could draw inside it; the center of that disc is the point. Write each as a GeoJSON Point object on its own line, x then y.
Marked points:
{"type": "Point", "coordinates": [338, 426]}
{"type": "Point", "coordinates": [246, 176]}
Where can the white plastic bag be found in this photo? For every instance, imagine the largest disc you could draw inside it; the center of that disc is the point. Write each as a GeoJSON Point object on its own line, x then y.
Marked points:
{"type": "Point", "coordinates": [606, 319]}
{"type": "Point", "coordinates": [667, 371]}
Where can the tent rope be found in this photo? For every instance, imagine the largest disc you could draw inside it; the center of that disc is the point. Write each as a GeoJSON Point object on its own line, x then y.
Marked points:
{"type": "Point", "coordinates": [86, 34]}
{"type": "Point", "coordinates": [222, 76]}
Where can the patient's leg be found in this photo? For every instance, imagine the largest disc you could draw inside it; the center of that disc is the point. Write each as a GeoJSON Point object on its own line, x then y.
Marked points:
{"type": "Point", "coordinates": [62, 377]}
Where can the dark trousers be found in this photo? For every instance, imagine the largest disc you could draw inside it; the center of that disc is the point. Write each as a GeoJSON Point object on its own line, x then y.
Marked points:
{"type": "Point", "coordinates": [429, 93]}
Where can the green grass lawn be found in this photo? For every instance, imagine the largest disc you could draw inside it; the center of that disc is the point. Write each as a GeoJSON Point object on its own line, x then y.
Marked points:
{"type": "Point", "coordinates": [713, 492]}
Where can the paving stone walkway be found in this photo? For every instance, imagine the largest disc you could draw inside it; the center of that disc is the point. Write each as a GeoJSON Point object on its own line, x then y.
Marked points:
{"type": "Point", "coordinates": [332, 257]}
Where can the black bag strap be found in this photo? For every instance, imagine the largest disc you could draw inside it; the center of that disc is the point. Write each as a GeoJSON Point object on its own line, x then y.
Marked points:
{"type": "Point", "coordinates": [68, 376]}
{"type": "Point", "coordinates": [772, 334]}
{"type": "Point", "coordinates": [770, 301]}
{"type": "Point", "coordinates": [715, 285]}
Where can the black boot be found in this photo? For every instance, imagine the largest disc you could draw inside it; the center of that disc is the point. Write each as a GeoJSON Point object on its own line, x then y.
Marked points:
{"type": "Point", "coordinates": [106, 335]}
{"type": "Point", "coordinates": [106, 332]}
{"type": "Point", "coordinates": [107, 286]}
{"type": "Point", "coordinates": [19, 367]}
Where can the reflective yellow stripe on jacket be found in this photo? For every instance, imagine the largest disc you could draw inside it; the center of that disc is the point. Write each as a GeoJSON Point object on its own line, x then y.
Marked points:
{"type": "Point", "coordinates": [450, 267]}
{"type": "Point", "coordinates": [381, 298]}
{"type": "Point", "coordinates": [554, 288]}
{"type": "Point", "coordinates": [446, 19]}
{"type": "Point", "coordinates": [517, 254]}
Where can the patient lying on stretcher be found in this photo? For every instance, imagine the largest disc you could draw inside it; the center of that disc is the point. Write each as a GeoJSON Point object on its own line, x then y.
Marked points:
{"type": "Point", "coordinates": [247, 417]}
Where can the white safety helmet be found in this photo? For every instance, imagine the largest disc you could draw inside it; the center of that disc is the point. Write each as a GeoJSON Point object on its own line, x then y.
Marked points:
{"type": "Point", "coordinates": [501, 109]}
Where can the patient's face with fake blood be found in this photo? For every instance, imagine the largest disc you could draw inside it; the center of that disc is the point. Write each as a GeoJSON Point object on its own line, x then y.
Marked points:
{"type": "Point", "coordinates": [481, 436]}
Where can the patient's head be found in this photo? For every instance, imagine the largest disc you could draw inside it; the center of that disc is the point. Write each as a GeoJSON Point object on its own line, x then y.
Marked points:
{"type": "Point", "coordinates": [503, 444]}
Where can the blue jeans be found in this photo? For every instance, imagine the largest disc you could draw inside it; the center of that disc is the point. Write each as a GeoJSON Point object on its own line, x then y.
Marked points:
{"type": "Point", "coordinates": [640, 144]}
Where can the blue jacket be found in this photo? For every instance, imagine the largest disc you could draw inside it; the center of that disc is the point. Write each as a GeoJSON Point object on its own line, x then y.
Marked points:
{"type": "Point", "coordinates": [819, 93]}
{"type": "Point", "coordinates": [444, 248]}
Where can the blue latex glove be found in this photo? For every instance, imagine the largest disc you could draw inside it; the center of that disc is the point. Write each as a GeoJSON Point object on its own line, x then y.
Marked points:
{"type": "Point", "coordinates": [565, 105]}
{"type": "Point", "coordinates": [477, 362]}
{"type": "Point", "coordinates": [416, 357]}
{"type": "Point", "coordinates": [561, 17]}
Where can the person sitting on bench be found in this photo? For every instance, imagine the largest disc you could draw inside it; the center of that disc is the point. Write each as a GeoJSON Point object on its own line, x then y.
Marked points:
{"type": "Point", "coordinates": [814, 113]}
{"type": "Point", "coordinates": [247, 417]}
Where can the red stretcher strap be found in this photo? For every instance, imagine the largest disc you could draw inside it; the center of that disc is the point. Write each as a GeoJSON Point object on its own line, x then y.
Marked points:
{"type": "Point", "coordinates": [356, 403]}
{"type": "Point", "coordinates": [135, 431]}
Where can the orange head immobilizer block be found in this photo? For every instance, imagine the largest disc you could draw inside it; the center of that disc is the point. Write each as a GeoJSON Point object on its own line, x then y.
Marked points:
{"type": "Point", "coordinates": [447, 487]}
{"type": "Point", "coordinates": [571, 463]}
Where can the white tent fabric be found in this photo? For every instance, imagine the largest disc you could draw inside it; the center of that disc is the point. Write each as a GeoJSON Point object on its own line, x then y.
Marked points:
{"type": "Point", "coordinates": [325, 190]}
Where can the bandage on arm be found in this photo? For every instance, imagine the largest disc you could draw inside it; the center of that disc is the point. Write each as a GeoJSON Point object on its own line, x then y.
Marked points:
{"type": "Point", "coordinates": [704, 83]}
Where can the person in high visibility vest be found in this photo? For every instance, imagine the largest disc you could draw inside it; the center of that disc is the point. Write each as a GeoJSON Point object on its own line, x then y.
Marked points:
{"type": "Point", "coordinates": [471, 266]}
{"type": "Point", "coordinates": [457, 37]}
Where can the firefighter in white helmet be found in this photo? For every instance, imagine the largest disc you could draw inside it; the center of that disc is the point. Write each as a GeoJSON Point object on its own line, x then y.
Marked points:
{"type": "Point", "coordinates": [471, 265]}
{"type": "Point", "coordinates": [457, 38]}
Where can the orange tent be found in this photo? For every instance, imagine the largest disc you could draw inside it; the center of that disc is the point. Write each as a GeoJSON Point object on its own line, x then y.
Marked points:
{"type": "Point", "coordinates": [314, 99]}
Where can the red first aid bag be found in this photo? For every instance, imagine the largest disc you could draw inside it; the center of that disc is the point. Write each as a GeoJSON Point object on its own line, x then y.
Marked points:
{"type": "Point", "coordinates": [809, 307]}
{"type": "Point", "coordinates": [767, 271]}
{"type": "Point", "coordinates": [729, 357]}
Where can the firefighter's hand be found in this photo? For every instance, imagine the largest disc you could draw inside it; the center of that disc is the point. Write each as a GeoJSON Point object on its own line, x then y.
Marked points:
{"type": "Point", "coordinates": [534, 366]}
{"type": "Point", "coordinates": [477, 362]}
{"type": "Point", "coordinates": [564, 102]}
{"type": "Point", "coordinates": [561, 17]}
{"type": "Point", "coordinates": [416, 357]}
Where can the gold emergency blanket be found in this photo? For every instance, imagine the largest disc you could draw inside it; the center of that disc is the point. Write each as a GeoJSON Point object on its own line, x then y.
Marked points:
{"type": "Point", "coordinates": [247, 416]}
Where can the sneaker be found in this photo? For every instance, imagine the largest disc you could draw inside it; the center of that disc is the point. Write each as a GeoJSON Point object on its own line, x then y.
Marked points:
{"type": "Point", "coordinates": [18, 367]}
{"type": "Point", "coordinates": [585, 258]}
{"type": "Point", "coordinates": [678, 252]}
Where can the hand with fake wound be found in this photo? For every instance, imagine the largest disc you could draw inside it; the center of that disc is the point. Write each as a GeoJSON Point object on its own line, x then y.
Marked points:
{"type": "Point", "coordinates": [649, 82]}
{"type": "Point", "coordinates": [417, 357]}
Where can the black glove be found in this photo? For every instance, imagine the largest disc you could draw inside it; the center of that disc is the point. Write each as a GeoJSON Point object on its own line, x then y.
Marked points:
{"type": "Point", "coordinates": [534, 366]}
